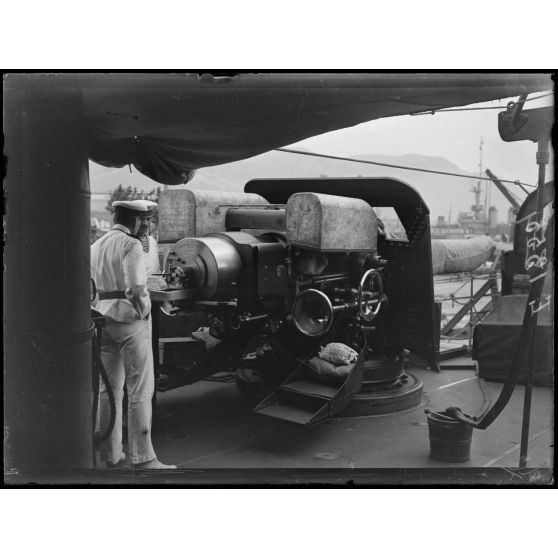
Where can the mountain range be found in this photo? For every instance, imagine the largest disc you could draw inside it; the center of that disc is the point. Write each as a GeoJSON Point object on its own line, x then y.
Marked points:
{"type": "Point", "coordinates": [443, 194]}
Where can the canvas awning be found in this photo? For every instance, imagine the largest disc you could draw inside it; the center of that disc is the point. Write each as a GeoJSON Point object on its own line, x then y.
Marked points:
{"type": "Point", "coordinates": [166, 125]}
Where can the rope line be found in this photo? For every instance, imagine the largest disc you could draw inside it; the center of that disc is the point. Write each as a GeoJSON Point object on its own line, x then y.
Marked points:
{"type": "Point", "coordinates": [353, 160]}
{"type": "Point", "coordinates": [458, 298]}
{"type": "Point", "coordinates": [463, 285]}
{"type": "Point", "coordinates": [466, 278]}
{"type": "Point", "coordinates": [432, 111]}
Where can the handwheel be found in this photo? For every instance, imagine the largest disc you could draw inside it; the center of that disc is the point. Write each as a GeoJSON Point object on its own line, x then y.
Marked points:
{"type": "Point", "coordinates": [368, 309]}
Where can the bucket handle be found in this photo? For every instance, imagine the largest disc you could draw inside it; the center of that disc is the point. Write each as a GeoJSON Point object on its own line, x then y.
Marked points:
{"type": "Point", "coordinates": [454, 413]}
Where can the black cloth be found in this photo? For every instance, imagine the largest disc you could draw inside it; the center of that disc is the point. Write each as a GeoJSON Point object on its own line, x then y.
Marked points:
{"type": "Point", "coordinates": [167, 125]}
{"type": "Point", "coordinates": [497, 336]}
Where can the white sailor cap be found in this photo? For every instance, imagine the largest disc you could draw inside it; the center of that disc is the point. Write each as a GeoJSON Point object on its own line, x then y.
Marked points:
{"type": "Point", "coordinates": [137, 206]}
{"type": "Point", "coordinates": [151, 205]}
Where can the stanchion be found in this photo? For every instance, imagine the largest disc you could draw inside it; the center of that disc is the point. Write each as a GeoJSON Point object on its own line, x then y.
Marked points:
{"type": "Point", "coordinates": [538, 273]}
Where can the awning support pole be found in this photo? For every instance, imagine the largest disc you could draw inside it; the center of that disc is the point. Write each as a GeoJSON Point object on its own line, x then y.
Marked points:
{"type": "Point", "coordinates": [48, 395]}
{"type": "Point", "coordinates": [538, 278]}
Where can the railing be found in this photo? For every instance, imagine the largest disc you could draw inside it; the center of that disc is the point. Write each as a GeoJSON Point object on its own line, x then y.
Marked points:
{"type": "Point", "coordinates": [468, 306]}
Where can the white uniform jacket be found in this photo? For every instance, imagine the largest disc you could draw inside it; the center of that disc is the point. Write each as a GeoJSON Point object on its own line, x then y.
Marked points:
{"type": "Point", "coordinates": [152, 257]}
{"type": "Point", "coordinates": [118, 264]}
{"type": "Point", "coordinates": [154, 282]}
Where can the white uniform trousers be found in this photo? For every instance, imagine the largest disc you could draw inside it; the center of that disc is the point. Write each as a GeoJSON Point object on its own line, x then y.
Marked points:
{"type": "Point", "coordinates": [127, 356]}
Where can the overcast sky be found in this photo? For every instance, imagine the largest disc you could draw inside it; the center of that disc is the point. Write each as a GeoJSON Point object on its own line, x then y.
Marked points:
{"type": "Point", "coordinates": [453, 135]}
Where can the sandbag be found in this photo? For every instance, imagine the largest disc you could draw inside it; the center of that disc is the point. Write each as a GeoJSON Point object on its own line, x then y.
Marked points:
{"type": "Point", "coordinates": [338, 354]}
{"type": "Point", "coordinates": [329, 373]}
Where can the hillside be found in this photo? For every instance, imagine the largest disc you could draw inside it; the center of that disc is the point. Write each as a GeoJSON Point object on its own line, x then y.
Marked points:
{"type": "Point", "coordinates": [439, 192]}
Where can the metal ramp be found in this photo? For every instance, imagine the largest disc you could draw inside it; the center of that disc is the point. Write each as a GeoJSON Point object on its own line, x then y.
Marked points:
{"type": "Point", "coordinates": [469, 308]}
{"type": "Point", "coordinates": [478, 316]}
{"type": "Point", "coordinates": [304, 400]}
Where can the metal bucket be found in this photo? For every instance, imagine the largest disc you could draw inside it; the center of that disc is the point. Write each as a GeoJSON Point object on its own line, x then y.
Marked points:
{"type": "Point", "coordinates": [450, 439]}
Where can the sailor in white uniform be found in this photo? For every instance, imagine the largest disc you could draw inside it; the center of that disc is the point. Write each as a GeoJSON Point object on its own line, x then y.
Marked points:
{"type": "Point", "coordinates": [151, 254]}
{"type": "Point", "coordinates": [118, 267]}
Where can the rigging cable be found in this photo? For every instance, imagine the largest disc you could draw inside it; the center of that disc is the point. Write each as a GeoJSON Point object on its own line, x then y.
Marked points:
{"type": "Point", "coordinates": [353, 160]}
{"type": "Point", "coordinates": [433, 111]}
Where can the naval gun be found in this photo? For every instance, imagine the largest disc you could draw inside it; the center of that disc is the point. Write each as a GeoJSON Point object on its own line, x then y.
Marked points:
{"type": "Point", "coordinates": [291, 265]}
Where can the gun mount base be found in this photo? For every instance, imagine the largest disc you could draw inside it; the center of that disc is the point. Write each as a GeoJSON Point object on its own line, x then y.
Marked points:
{"type": "Point", "coordinates": [400, 395]}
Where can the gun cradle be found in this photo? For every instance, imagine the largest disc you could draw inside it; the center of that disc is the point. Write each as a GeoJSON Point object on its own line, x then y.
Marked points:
{"type": "Point", "coordinates": [300, 272]}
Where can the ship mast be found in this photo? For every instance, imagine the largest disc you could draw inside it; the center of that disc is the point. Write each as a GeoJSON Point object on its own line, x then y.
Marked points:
{"type": "Point", "coordinates": [477, 190]}
{"type": "Point", "coordinates": [486, 200]}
